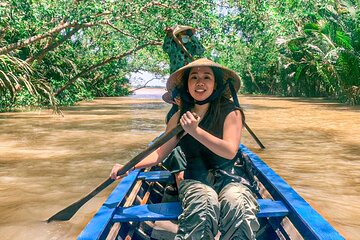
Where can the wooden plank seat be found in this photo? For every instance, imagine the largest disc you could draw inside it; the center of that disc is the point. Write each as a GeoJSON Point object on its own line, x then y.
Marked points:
{"type": "Point", "coordinates": [156, 176]}
{"type": "Point", "coordinates": [171, 211]}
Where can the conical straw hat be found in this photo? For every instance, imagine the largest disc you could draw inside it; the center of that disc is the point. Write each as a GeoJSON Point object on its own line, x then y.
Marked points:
{"type": "Point", "coordinates": [176, 78]}
{"type": "Point", "coordinates": [168, 98]}
{"type": "Point", "coordinates": [181, 28]}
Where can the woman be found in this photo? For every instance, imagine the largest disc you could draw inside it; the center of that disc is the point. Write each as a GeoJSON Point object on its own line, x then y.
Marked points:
{"type": "Point", "coordinates": [213, 196]}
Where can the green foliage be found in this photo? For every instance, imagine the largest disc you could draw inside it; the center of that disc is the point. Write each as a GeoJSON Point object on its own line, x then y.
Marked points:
{"type": "Point", "coordinates": [62, 52]}
{"type": "Point", "coordinates": [325, 56]}
{"type": "Point", "coordinates": [14, 73]}
{"type": "Point", "coordinates": [19, 87]}
{"type": "Point", "coordinates": [84, 49]}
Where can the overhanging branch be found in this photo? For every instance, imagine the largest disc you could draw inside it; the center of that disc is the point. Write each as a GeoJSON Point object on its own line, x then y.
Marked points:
{"type": "Point", "coordinates": [96, 66]}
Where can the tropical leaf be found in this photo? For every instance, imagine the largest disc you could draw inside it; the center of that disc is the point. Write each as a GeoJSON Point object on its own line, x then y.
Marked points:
{"type": "Point", "coordinates": [14, 73]}
{"type": "Point", "coordinates": [299, 73]}
{"type": "Point", "coordinates": [16, 76]}
{"type": "Point", "coordinates": [343, 39]}
{"type": "Point", "coordinates": [311, 28]}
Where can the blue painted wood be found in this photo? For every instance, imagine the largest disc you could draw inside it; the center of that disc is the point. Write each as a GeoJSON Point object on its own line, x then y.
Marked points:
{"type": "Point", "coordinates": [171, 211]}
{"type": "Point", "coordinates": [148, 212]}
{"type": "Point", "coordinates": [155, 176]}
{"type": "Point", "coordinates": [100, 224]}
{"type": "Point", "coordinates": [270, 208]}
{"type": "Point", "coordinates": [308, 222]}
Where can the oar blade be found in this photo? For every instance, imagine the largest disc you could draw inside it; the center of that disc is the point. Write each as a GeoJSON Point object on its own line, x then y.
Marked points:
{"type": "Point", "coordinates": [66, 213]}
{"type": "Point", "coordinates": [69, 211]}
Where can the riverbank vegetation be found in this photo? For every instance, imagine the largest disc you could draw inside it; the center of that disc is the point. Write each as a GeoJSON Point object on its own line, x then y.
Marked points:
{"type": "Point", "coordinates": [60, 52]}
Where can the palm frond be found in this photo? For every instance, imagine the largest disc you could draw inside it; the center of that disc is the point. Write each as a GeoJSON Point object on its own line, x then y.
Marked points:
{"type": "Point", "coordinates": [16, 74]}
{"type": "Point", "coordinates": [343, 39]}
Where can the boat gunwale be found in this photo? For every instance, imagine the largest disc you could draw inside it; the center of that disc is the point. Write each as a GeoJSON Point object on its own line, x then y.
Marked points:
{"type": "Point", "coordinates": [305, 219]}
{"type": "Point", "coordinates": [100, 224]}
{"type": "Point", "coordinates": [308, 222]}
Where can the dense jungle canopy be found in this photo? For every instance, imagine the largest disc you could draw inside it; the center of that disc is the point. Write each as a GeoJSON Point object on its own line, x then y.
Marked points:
{"type": "Point", "coordinates": [59, 52]}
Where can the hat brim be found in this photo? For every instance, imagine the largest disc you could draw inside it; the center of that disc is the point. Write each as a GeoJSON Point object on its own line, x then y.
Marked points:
{"type": "Point", "coordinates": [180, 28]}
{"type": "Point", "coordinates": [176, 79]}
{"type": "Point", "coordinates": [167, 98]}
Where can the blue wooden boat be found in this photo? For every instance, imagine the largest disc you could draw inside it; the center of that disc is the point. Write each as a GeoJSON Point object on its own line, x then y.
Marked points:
{"type": "Point", "coordinates": [141, 208]}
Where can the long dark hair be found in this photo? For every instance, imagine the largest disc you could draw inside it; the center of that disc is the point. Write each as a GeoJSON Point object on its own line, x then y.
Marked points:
{"type": "Point", "coordinates": [187, 102]}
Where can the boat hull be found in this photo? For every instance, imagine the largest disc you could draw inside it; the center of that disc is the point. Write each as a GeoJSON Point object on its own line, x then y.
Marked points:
{"type": "Point", "coordinates": [140, 207]}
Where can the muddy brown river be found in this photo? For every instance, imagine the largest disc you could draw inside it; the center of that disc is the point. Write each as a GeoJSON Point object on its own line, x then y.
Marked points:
{"type": "Point", "coordinates": [48, 162]}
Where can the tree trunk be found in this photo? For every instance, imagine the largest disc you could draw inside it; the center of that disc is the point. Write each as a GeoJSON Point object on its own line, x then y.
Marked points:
{"type": "Point", "coordinates": [26, 42]}
{"type": "Point", "coordinates": [253, 78]}
{"type": "Point", "coordinates": [40, 55]}
{"type": "Point", "coordinates": [62, 25]}
{"type": "Point", "coordinates": [143, 86]}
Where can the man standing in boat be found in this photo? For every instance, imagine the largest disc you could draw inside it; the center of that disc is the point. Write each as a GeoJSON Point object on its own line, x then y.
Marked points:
{"type": "Point", "coordinates": [182, 46]}
{"type": "Point", "coordinates": [214, 193]}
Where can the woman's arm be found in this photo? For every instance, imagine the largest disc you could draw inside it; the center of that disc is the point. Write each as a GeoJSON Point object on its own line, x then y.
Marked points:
{"type": "Point", "coordinates": [158, 155]}
{"type": "Point", "coordinates": [226, 147]}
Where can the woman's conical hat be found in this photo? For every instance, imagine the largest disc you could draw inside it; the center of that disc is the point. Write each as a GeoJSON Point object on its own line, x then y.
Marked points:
{"type": "Point", "coordinates": [176, 79]}
{"type": "Point", "coordinates": [168, 98]}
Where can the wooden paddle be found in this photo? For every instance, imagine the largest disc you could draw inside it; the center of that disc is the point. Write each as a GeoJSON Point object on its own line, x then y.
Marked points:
{"type": "Point", "coordinates": [257, 140]}
{"type": "Point", "coordinates": [69, 211]}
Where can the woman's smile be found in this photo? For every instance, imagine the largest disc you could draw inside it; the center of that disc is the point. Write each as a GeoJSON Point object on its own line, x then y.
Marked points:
{"type": "Point", "coordinates": [201, 83]}
{"type": "Point", "coordinates": [200, 90]}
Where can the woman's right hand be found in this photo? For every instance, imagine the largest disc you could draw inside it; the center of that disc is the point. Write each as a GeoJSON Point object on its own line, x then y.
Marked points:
{"type": "Point", "coordinates": [115, 170]}
{"type": "Point", "coordinates": [189, 121]}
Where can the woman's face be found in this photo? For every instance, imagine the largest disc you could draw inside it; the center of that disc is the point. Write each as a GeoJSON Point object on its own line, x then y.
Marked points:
{"type": "Point", "coordinates": [201, 83]}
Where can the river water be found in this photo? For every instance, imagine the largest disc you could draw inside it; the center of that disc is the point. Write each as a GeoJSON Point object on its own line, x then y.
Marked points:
{"type": "Point", "coordinates": [48, 162]}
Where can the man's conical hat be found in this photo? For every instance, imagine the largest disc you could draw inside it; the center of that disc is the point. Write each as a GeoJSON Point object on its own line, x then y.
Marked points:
{"type": "Point", "coordinates": [181, 28]}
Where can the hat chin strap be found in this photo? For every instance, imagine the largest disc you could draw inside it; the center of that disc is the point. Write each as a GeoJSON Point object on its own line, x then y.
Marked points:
{"type": "Point", "coordinates": [217, 93]}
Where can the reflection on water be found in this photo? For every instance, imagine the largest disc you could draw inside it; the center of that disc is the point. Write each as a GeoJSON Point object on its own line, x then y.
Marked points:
{"type": "Point", "coordinates": [47, 162]}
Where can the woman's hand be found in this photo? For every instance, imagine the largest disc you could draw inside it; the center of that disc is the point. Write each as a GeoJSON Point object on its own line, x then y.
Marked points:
{"type": "Point", "coordinates": [114, 171]}
{"type": "Point", "coordinates": [189, 121]}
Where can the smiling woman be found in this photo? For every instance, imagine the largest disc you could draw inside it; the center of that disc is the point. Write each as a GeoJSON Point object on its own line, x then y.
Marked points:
{"type": "Point", "coordinates": [208, 153]}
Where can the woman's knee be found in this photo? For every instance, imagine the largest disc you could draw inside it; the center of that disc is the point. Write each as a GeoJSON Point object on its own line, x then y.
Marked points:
{"type": "Point", "coordinates": [201, 209]}
{"type": "Point", "coordinates": [235, 194]}
{"type": "Point", "coordinates": [195, 191]}
{"type": "Point", "coordinates": [179, 177]}
{"type": "Point", "coordinates": [238, 209]}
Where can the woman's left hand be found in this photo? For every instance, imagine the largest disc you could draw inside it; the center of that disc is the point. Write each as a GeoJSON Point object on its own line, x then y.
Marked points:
{"type": "Point", "coordinates": [189, 121]}
{"type": "Point", "coordinates": [115, 170]}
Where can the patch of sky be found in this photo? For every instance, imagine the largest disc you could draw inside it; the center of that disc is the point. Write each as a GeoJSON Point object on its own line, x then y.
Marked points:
{"type": "Point", "coordinates": [148, 79]}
